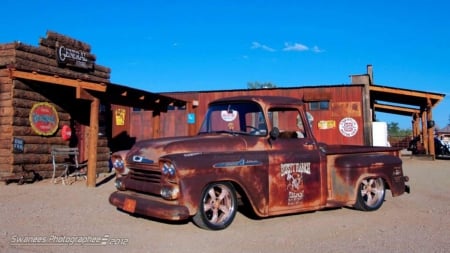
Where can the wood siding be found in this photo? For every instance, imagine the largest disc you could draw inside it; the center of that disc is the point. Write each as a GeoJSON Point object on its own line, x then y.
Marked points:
{"type": "Point", "coordinates": [17, 97]}
{"type": "Point", "coordinates": [345, 101]}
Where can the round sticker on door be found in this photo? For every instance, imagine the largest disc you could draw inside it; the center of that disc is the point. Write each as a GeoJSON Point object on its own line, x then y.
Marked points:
{"type": "Point", "coordinates": [348, 127]}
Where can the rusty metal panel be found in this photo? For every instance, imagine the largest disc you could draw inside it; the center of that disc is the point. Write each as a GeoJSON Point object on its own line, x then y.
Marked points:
{"type": "Point", "coordinates": [342, 123]}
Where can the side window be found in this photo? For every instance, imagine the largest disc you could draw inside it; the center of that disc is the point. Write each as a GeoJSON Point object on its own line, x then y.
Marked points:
{"type": "Point", "coordinates": [288, 121]}
{"type": "Point", "coordinates": [319, 105]}
{"type": "Point", "coordinates": [255, 123]}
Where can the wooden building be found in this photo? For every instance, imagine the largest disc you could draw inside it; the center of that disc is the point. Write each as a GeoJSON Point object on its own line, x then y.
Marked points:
{"type": "Point", "coordinates": [56, 95]}
{"type": "Point", "coordinates": [340, 114]}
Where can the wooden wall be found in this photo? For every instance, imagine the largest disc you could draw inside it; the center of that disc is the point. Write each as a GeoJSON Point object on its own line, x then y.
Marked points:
{"type": "Point", "coordinates": [15, 123]}
{"type": "Point", "coordinates": [17, 97]}
{"type": "Point", "coordinates": [345, 101]}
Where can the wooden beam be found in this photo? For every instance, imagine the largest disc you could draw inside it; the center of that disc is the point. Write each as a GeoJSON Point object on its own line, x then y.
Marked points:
{"type": "Point", "coordinates": [57, 80]}
{"type": "Point", "coordinates": [93, 140]}
{"type": "Point", "coordinates": [406, 92]}
{"type": "Point", "coordinates": [403, 110]}
{"type": "Point", "coordinates": [83, 94]}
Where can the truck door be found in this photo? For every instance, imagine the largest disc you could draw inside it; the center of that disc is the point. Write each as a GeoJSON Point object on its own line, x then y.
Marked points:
{"type": "Point", "coordinates": [295, 180]}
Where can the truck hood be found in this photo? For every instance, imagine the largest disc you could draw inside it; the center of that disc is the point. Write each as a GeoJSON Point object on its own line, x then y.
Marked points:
{"type": "Point", "coordinates": [149, 151]}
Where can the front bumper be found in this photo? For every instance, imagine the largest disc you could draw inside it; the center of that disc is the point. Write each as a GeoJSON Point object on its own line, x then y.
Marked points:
{"type": "Point", "coordinates": [147, 205]}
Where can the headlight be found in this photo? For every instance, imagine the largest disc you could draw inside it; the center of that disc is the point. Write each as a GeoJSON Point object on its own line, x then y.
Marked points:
{"type": "Point", "coordinates": [119, 184]}
{"type": "Point", "coordinates": [168, 169]}
{"type": "Point", "coordinates": [170, 192]}
{"type": "Point", "coordinates": [118, 164]}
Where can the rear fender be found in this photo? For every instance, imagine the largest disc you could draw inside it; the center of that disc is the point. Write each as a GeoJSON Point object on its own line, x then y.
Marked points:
{"type": "Point", "coordinates": [350, 170]}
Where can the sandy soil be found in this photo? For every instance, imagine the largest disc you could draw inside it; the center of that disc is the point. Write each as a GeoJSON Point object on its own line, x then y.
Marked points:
{"type": "Point", "coordinates": [42, 211]}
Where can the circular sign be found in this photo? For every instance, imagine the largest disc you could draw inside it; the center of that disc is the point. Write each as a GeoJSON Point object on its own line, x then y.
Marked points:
{"type": "Point", "coordinates": [66, 132]}
{"type": "Point", "coordinates": [348, 127]}
{"type": "Point", "coordinates": [44, 118]}
{"type": "Point", "coordinates": [228, 116]}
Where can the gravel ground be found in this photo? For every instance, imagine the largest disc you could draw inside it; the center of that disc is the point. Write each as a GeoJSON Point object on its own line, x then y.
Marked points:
{"type": "Point", "coordinates": [418, 222]}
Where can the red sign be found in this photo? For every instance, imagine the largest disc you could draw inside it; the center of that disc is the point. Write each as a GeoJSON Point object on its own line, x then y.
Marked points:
{"type": "Point", "coordinates": [44, 118]}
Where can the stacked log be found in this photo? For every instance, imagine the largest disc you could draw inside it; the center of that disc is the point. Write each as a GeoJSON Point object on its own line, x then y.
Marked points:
{"type": "Point", "coordinates": [17, 97]}
{"type": "Point", "coordinates": [43, 59]}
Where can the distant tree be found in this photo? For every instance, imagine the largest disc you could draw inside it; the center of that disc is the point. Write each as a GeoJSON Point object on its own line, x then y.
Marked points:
{"type": "Point", "coordinates": [394, 130]}
{"type": "Point", "coordinates": [258, 85]}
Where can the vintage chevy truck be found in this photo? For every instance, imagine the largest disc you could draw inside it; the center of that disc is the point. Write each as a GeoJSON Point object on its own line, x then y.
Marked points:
{"type": "Point", "coordinates": [257, 151]}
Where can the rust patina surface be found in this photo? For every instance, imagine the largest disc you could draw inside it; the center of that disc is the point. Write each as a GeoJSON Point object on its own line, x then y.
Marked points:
{"type": "Point", "coordinates": [257, 151]}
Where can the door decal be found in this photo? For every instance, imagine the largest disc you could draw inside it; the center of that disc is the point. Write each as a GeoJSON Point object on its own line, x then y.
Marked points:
{"type": "Point", "coordinates": [293, 173]}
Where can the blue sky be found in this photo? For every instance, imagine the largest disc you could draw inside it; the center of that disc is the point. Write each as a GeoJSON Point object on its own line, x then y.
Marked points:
{"type": "Point", "coordinates": [162, 46]}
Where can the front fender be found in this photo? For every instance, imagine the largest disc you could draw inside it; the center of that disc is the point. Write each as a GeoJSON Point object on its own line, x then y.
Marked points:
{"type": "Point", "coordinates": [247, 172]}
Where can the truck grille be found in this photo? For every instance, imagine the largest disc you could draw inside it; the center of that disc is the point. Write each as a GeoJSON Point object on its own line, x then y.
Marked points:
{"type": "Point", "coordinates": [146, 180]}
{"type": "Point", "coordinates": [145, 175]}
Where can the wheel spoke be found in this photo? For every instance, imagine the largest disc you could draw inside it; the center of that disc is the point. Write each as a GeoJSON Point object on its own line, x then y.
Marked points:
{"type": "Point", "coordinates": [215, 216]}
{"type": "Point", "coordinates": [207, 206]}
{"type": "Point", "coordinates": [363, 192]}
{"type": "Point", "coordinates": [225, 209]}
{"type": "Point", "coordinates": [212, 193]}
{"type": "Point", "coordinates": [369, 197]}
{"type": "Point", "coordinates": [222, 195]}
{"type": "Point", "coordinates": [365, 182]}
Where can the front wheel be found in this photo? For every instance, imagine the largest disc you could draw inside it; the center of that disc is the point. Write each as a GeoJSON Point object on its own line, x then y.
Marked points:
{"type": "Point", "coordinates": [371, 193]}
{"type": "Point", "coordinates": [217, 208]}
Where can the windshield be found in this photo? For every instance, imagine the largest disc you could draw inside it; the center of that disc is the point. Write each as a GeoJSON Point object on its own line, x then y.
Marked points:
{"type": "Point", "coordinates": [239, 117]}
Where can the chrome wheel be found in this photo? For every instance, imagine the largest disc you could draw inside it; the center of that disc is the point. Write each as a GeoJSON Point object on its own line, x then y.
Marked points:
{"type": "Point", "coordinates": [370, 194]}
{"type": "Point", "coordinates": [218, 207]}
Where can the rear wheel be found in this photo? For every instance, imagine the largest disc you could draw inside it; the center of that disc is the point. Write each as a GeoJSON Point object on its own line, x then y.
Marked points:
{"type": "Point", "coordinates": [217, 208]}
{"type": "Point", "coordinates": [371, 193]}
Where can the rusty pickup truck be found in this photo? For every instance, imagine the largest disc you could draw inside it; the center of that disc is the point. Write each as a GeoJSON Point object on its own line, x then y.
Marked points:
{"type": "Point", "coordinates": [257, 151]}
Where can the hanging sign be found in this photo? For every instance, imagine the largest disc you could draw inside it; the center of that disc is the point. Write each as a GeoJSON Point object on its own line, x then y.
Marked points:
{"type": "Point", "coordinates": [73, 58]}
{"type": "Point", "coordinates": [120, 117]}
{"type": "Point", "coordinates": [44, 118]}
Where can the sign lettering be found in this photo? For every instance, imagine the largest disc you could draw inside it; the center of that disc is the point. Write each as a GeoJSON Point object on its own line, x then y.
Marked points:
{"type": "Point", "coordinates": [44, 118]}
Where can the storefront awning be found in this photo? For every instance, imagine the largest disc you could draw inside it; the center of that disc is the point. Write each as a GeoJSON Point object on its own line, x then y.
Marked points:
{"type": "Point", "coordinates": [106, 92]}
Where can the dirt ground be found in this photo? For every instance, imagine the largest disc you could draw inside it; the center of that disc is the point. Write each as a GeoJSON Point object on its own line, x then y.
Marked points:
{"type": "Point", "coordinates": [75, 218]}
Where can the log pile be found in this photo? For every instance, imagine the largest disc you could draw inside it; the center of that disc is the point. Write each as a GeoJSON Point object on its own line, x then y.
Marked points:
{"type": "Point", "coordinates": [17, 97]}
{"type": "Point", "coordinates": [43, 59]}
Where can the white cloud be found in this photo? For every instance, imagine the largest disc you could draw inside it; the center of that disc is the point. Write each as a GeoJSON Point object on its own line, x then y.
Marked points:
{"type": "Point", "coordinates": [316, 49]}
{"type": "Point", "coordinates": [257, 45]}
{"type": "Point", "coordinates": [294, 47]}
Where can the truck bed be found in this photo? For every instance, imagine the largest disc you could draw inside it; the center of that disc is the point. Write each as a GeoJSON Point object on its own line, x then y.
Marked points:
{"type": "Point", "coordinates": [356, 149]}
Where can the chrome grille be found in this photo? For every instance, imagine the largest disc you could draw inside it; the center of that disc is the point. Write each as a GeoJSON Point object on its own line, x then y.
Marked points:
{"type": "Point", "coordinates": [146, 180]}
{"type": "Point", "coordinates": [145, 175]}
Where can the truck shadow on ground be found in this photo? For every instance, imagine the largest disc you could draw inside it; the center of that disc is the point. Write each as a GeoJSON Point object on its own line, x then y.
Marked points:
{"type": "Point", "coordinates": [148, 218]}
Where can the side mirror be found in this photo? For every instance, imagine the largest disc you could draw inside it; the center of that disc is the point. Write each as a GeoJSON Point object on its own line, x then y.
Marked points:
{"type": "Point", "coordinates": [274, 133]}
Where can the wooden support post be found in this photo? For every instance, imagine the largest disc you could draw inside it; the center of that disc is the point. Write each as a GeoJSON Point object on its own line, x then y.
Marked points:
{"type": "Point", "coordinates": [430, 133]}
{"type": "Point", "coordinates": [93, 139]}
{"type": "Point", "coordinates": [416, 127]}
{"type": "Point", "coordinates": [425, 132]}
{"type": "Point", "coordinates": [367, 115]}
{"type": "Point", "coordinates": [156, 123]}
